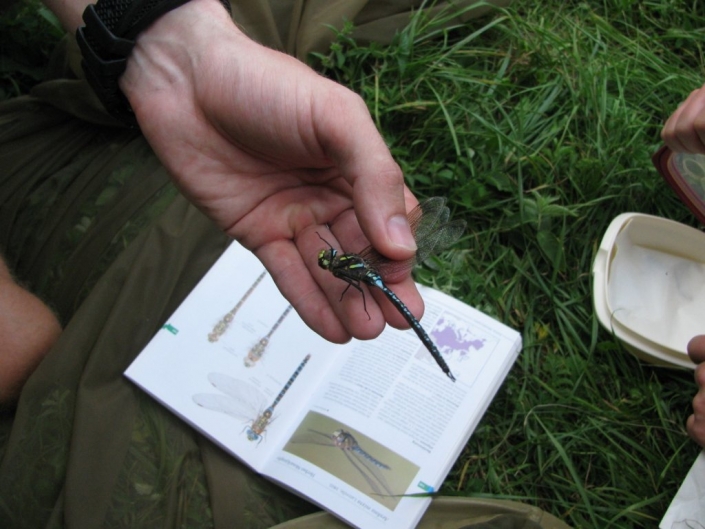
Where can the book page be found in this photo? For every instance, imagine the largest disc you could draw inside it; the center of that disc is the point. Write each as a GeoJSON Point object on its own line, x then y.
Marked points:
{"type": "Point", "coordinates": [388, 423]}
{"type": "Point", "coordinates": [356, 428]}
{"type": "Point", "coordinates": [235, 361]}
{"type": "Point", "coordinates": [687, 510]}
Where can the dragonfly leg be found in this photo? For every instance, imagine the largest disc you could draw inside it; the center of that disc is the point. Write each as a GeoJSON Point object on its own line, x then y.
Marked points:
{"type": "Point", "coordinates": [344, 291]}
{"type": "Point", "coordinates": [356, 285]}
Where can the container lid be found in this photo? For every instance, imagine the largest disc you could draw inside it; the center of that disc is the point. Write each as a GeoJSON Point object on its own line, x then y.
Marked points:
{"type": "Point", "coordinates": [685, 173]}
{"type": "Point", "coordinates": [649, 286]}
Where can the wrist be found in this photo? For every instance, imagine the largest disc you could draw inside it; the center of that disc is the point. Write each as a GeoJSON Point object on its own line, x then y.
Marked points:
{"type": "Point", "coordinates": [109, 36]}
{"type": "Point", "coordinates": [173, 51]}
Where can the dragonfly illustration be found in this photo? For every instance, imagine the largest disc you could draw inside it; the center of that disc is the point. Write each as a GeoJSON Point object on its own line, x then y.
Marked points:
{"type": "Point", "coordinates": [242, 400]}
{"type": "Point", "coordinates": [433, 232]}
{"type": "Point", "coordinates": [370, 468]}
{"type": "Point", "coordinates": [222, 326]}
{"type": "Point", "coordinates": [254, 355]}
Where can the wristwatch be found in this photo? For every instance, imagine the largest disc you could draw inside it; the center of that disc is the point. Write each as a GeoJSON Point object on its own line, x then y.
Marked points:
{"type": "Point", "coordinates": [106, 41]}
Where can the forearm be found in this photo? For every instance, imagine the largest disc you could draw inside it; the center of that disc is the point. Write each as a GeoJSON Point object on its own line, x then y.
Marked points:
{"type": "Point", "coordinates": [68, 12]}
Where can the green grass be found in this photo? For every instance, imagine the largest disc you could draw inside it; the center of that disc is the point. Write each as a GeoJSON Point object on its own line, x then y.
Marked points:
{"type": "Point", "coordinates": [29, 33]}
{"type": "Point", "coordinates": [538, 125]}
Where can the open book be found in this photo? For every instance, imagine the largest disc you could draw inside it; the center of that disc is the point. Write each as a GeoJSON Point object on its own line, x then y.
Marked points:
{"type": "Point", "coordinates": [362, 429]}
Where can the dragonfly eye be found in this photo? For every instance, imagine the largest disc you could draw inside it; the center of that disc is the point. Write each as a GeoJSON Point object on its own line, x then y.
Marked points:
{"type": "Point", "coordinates": [252, 435]}
{"type": "Point", "coordinates": [324, 258]}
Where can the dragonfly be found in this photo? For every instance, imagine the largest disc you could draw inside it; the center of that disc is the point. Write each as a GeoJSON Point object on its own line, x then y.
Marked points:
{"type": "Point", "coordinates": [254, 355]}
{"type": "Point", "coordinates": [433, 232]}
{"type": "Point", "coordinates": [222, 326]}
{"type": "Point", "coordinates": [368, 466]}
{"type": "Point", "coordinates": [242, 400]}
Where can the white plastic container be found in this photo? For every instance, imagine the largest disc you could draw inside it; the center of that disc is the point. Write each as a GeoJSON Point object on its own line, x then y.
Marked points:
{"type": "Point", "coordinates": [649, 286]}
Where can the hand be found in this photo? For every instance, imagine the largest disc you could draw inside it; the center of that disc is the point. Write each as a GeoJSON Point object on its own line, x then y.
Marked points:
{"type": "Point", "coordinates": [684, 131]}
{"type": "Point", "coordinates": [696, 422]}
{"type": "Point", "coordinates": [273, 152]}
{"type": "Point", "coordinates": [29, 329]}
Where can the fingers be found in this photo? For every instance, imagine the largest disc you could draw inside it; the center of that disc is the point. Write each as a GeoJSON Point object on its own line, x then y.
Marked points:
{"type": "Point", "coordinates": [316, 294]}
{"type": "Point", "coordinates": [696, 349]}
{"type": "Point", "coordinates": [344, 229]}
{"type": "Point", "coordinates": [364, 309]}
{"type": "Point", "coordinates": [291, 274]}
{"type": "Point", "coordinates": [327, 303]}
{"type": "Point", "coordinates": [696, 422]}
{"type": "Point", "coordinates": [684, 131]}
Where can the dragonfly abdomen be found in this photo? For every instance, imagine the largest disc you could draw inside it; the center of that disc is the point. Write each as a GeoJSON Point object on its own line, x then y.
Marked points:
{"type": "Point", "coordinates": [290, 382]}
{"type": "Point", "coordinates": [376, 281]}
{"type": "Point", "coordinates": [369, 458]}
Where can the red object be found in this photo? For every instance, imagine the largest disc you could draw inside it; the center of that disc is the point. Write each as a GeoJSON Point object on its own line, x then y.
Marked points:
{"type": "Point", "coordinates": [685, 173]}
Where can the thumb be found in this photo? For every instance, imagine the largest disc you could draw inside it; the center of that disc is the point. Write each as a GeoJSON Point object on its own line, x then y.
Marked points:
{"type": "Point", "coordinates": [380, 197]}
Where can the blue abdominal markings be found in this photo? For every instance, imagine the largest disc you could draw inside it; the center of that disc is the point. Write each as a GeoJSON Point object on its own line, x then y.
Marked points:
{"type": "Point", "coordinates": [433, 231]}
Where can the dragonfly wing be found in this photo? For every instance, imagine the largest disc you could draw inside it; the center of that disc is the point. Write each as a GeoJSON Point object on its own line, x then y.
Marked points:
{"type": "Point", "coordinates": [238, 390]}
{"type": "Point", "coordinates": [376, 471]}
{"type": "Point", "coordinates": [423, 219]}
{"type": "Point", "coordinates": [445, 235]}
{"type": "Point", "coordinates": [247, 396]}
{"type": "Point", "coordinates": [362, 471]}
{"type": "Point", "coordinates": [384, 266]}
{"type": "Point", "coordinates": [432, 230]}
{"type": "Point", "coordinates": [313, 437]}
{"type": "Point", "coordinates": [222, 404]}
{"type": "Point", "coordinates": [429, 214]}
{"type": "Point", "coordinates": [369, 472]}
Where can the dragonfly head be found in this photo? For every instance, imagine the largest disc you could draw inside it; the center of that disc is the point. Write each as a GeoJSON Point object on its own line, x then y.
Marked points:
{"type": "Point", "coordinates": [325, 258]}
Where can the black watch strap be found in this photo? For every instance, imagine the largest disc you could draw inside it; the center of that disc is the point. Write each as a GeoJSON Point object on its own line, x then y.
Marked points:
{"type": "Point", "coordinates": [106, 41]}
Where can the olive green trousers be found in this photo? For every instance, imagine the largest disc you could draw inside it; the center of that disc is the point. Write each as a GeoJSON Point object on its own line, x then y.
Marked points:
{"type": "Point", "coordinates": [90, 221]}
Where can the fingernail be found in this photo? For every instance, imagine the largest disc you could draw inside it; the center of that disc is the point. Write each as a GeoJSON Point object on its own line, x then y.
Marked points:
{"type": "Point", "coordinates": [400, 233]}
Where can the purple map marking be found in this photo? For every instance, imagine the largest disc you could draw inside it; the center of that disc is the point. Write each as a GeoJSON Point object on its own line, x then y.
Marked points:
{"type": "Point", "coordinates": [452, 340]}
